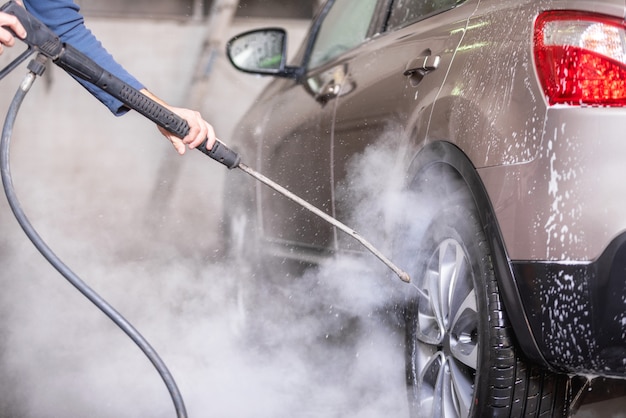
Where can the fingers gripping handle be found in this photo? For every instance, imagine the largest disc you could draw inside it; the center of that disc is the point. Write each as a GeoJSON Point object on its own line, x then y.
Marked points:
{"type": "Point", "coordinates": [38, 35]}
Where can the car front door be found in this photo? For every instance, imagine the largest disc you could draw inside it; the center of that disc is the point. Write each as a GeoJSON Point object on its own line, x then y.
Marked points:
{"type": "Point", "coordinates": [296, 149]}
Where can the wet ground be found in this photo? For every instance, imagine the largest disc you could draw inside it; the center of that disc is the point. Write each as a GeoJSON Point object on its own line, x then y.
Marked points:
{"type": "Point", "coordinates": [595, 404]}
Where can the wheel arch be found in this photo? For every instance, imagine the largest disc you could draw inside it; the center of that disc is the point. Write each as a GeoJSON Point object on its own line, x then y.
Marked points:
{"type": "Point", "coordinates": [442, 153]}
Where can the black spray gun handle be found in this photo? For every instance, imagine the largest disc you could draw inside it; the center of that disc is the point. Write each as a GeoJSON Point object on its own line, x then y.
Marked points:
{"type": "Point", "coordinates": [42, 39]}
{"type": "Point", "coordinates": [76, 63]}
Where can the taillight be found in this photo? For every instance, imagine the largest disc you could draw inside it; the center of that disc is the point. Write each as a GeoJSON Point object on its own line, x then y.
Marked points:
{"type": "Point", "coordinates": [581, 58]}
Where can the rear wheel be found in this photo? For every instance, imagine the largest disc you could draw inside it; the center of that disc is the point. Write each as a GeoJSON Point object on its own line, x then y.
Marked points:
{"type": "Point", "coordinates": [461, 356]}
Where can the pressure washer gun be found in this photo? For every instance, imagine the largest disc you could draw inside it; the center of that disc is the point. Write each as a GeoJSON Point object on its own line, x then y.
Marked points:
{"type": "Point", "coordinates": [41, 39]}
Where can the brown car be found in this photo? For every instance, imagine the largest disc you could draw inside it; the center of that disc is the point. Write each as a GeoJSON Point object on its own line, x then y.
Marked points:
{"type": "Point", "coordinates": [508, 118]}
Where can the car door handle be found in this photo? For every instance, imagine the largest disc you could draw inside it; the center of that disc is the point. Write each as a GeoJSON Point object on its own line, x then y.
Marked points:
{"type": "Point", "coordinates": [328, 91]}
{"type": "Point", "coordinates": [421, 66]}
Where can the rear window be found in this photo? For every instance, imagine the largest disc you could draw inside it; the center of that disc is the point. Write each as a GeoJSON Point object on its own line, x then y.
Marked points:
{"type": "Point", "coordinates": [405, 12]}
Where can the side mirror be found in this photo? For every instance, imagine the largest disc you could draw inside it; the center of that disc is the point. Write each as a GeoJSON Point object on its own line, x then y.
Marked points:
{"type": "Point", "coordinates": [261, 51]}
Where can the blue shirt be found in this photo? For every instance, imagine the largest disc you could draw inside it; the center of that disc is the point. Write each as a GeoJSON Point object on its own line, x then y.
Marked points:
{"type": "Point", "coordinates": [64, 18]}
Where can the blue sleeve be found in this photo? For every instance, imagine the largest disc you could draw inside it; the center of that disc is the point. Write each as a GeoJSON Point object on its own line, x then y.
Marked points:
{"type": "Point", "coordinates": [64, 18]}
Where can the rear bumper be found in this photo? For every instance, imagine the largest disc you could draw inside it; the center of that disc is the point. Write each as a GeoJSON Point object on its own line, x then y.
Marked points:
{"type": "Point", "coordinates": [577, 311]}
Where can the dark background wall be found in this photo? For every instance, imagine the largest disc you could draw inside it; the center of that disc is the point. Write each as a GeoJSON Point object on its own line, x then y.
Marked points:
{"type": "Point", "coordinates": [299, 9]}
{"type": "Point", "coordinates": [290, 9]}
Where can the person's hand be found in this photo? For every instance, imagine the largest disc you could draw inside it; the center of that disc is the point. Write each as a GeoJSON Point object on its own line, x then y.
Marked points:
{"type": "Point", "coordinates": [6, 37]}
{"type": "Point", "coordinates": [199, 130]}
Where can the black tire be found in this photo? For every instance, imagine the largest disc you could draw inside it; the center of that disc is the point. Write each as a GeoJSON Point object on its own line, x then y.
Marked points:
{"type": "Point", "coordinates": [461, 357]}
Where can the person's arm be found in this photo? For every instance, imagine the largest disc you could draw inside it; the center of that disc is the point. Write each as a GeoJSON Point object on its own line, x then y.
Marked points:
{"type": "Point", "coordinates": [63, 17]}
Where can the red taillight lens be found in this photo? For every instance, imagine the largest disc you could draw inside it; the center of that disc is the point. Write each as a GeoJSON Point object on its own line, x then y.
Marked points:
{"type": "Point", "coordinates": [581, 58]}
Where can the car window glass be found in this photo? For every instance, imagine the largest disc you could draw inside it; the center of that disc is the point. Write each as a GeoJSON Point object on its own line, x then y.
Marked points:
{"type": "Point", "coordinates": [405, 12]}
{"type": "Point", "coordinates": [344, 27]}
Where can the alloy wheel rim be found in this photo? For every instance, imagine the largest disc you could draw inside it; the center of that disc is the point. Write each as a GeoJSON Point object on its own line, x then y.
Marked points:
{"type": "Point", "coordinates": [447, 333]}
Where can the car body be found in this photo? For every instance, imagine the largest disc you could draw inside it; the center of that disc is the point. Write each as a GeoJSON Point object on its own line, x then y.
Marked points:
{"type": "Point", "coordinates": [521, 102]}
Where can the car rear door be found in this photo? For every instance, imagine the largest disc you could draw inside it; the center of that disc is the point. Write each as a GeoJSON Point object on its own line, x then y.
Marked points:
{"type": "Point", "coordinates": [391, 84]}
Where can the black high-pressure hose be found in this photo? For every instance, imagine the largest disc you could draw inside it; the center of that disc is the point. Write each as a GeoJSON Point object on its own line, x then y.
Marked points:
{"type": "Point", "coordinates": [56, 262]}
